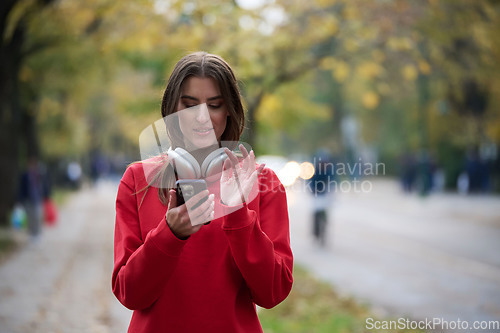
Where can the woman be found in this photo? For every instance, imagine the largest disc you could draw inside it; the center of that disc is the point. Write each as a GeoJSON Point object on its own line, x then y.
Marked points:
{"type": "Point", "coordinates": [181, 275]}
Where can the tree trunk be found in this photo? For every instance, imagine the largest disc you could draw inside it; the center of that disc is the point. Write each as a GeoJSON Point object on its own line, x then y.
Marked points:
{"type": "Point", "coordinates": [9, 138]}
{"type": "Point", "coordinates": [10, 113]}
{"type": "Point", "coordinates": [15, 123]}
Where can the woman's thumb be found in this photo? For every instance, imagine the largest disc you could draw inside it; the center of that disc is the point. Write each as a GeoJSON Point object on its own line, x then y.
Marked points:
{"type": "Point", "coordinates": [172, 200]}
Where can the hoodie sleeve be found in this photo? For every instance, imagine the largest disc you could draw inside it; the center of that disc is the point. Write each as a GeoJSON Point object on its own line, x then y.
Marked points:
{"type": "Point", "coordinates": [260, 242]}
{"type": "Point", "coordinates": [141, 267]}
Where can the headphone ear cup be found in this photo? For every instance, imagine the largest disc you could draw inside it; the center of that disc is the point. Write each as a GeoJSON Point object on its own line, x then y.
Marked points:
{"type": "Point", "coordinates": [213, 163]}
{"type": "Point", "coordinates": [184, 163]}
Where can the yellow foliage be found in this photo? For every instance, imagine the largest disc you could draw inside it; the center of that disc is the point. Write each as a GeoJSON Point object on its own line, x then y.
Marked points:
{"type": "Point", "coordinates": [48, 107]}
{"type": "Point", "coordinates": [383, 88]}
{"type": "Point", "coordinates": [368, 33]}
{"type": "Point", "coordinates": [369, 69]}
{"type": "Point", "coordinates": [288, 108]}
{"type": "Point", "coordinates": [132, 125]}
{"type": "Point", "coordinates": [54, 143]}
{"type": "Point", "coordinates": [331, 26]}
{"type": "Point", "coordinates": [328, 63]}
{"type": "Point", "coordinates": [320, 26]}
{"type": "Point", "coordinates": [410, 72]}
{"type": "Point", "coordinates": [351, 12]}
{"type": "Point", "coordinates": [26, 74]}
{"type": "Point", "coordinates": [424, 67]}
{"type": "Point", "coordinates": [269, 110]}
{"type": "Point", "coordinates": [392, 43]}
{"type": "Point", "coordinates": [325, 3]}
{"type": "Point", "coordinates": [378, 56]}
{"type": "Point", "coordinates": [341, 71]}
{"type": "Point", "coordinates": [370, 100]}
{"type": "Point", "coordinates": [493, 130]}
{"type": "Point", "coordinates": [399, 43]}
{"type": "Point", "coordinates": [351, 45]}
{"type": "Point", "coordinates": [20, 9]}
{"type": "Point", "coordinates": [481, 36]}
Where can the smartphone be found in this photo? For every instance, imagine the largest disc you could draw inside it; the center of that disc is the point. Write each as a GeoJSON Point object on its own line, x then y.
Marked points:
{"type": "Point", "coordinates": [187, 188]}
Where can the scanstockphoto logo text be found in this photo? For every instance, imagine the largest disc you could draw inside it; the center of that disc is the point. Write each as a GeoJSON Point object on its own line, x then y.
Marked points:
{"type": "Point", "coordinates": [431, 324]}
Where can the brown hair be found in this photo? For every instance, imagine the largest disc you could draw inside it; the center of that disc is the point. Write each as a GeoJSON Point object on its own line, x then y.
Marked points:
{"type": "Point", "coordinates": [203, 65]}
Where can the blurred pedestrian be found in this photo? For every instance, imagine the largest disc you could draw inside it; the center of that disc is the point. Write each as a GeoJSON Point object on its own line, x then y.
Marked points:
{"type": "Point", "coordinates": [425, 173]}
{"type": "Point", "coordinates": [478, 171]}
{"type": "Point", "coordinates": [74, 174]}
{"type": "Point", "coordinates": [176, 272]}
{"type": "Point", "coordinates": [321, 185]}
{"type": "Point", "coordinates": [408, 172]}
{"type": "Point", "coordinates": [33, 190]}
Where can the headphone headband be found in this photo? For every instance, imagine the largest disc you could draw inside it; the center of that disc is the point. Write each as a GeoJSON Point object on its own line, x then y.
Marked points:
{"type": "Point", "coordinates": [187, 167]}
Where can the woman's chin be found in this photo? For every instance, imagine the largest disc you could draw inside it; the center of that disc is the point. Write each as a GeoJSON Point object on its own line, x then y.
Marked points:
{"type": "Point", "coordinates": [201, 143]}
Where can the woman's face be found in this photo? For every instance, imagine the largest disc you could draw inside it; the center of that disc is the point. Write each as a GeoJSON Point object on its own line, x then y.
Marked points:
{"type": "Point", "coordinates": [204, 121]}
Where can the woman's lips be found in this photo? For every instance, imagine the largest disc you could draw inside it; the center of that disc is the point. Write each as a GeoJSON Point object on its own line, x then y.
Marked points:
{"type": "Point", "coordinates": [203, 131]}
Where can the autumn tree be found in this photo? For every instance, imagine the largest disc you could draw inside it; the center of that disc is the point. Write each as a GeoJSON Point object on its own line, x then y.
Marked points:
{"type": "Point", "coordinates": [18, 125]}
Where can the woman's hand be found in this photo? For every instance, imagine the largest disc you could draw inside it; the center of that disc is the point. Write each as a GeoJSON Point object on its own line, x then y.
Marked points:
{"type": "Point", "coordinates": [239, 181]}
{"type": "Point", "coordinates": [186, 220]}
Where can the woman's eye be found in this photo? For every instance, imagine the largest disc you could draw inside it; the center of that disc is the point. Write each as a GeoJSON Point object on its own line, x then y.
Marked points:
{"type": "Point", "coordinates": [215, 106]}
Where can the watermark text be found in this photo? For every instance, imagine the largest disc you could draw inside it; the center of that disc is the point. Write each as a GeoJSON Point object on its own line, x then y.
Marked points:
{"type": "Point", "coordinates": [431, 324]}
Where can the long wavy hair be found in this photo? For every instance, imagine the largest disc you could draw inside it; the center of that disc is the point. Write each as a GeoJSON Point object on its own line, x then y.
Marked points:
{"type": "Point", "coordinates": [202, 65]}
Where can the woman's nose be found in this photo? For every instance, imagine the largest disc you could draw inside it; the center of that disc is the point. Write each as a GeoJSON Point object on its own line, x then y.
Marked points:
{"type": "Point", "coordinates": [202, 115]}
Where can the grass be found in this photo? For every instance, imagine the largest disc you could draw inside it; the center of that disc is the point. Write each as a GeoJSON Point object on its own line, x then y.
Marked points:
{"type": "Point", "coordinates": [8, 244]}
{"type": "Point", "coordinates": [60, 195]}
{"type": "Point", "coordinates": [314, 307]}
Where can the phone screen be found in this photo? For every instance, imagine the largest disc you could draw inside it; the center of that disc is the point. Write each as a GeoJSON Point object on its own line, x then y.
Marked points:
{"type": "Point", "coordinates": [187, 188]}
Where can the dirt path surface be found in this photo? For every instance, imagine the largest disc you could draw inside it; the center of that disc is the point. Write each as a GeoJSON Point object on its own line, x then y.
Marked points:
{"type": "Point", "coordinates": [407, 256]}
{"type": "Point", "coordinates": [63, 283]}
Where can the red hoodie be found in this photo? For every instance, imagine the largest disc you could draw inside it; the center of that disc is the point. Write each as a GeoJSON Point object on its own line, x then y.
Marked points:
{"type": "Point", "coordinates": [211, 281]}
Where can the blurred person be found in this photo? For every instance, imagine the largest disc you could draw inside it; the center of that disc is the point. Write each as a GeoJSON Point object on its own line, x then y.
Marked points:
{"type": "Point", "coordinates": [463, 183]}
{"type": "Point", "coordinates": [478, 172]}
{"type": "Point", "coordinates": [33, 190]}
{"type": "Point", "coordinates": [178, 273]}
{"type": "Point", "coordinates": [425, 172]}
{"type": "Point", "coordinates": [473, 170]}
{"type": "Point", "coordinates": [408, 172]}
{"type": "Point", "coordinates": [98, 166]}
{"type": "Point", "coordinates": [74, 174]}
{"type": "Point", "coordinates": [495, 171]}
{"type": "Point", "coordinates": [439, 179]}
{"type": "Point", "coordinates": [320, 186]}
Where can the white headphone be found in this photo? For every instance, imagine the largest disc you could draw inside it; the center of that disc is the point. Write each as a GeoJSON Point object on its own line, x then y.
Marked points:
{"type": "Point", "coordinates": [187, 167]}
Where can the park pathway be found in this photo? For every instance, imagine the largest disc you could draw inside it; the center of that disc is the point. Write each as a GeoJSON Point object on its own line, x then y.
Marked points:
{"type": "Point", "coordinates": [407, 256]}
{"type": "Point", "coordinates": [63, 283]}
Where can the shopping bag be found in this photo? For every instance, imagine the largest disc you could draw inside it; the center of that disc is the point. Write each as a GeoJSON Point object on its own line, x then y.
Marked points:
{"type": "Point", "coordinates": [18, 217]}
{"type": "Point", "coordinates": [50, 211]}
